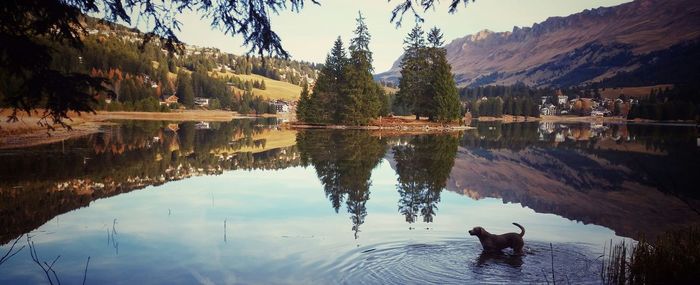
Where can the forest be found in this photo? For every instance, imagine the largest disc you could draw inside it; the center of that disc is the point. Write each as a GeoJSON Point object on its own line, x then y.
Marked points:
{"type": "Point", "coordinates": [138, 75]}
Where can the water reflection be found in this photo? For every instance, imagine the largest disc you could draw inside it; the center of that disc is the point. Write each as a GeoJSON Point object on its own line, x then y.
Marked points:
{"type": "Point", "coordinates": [343, 161]}
{"type": "Point", "coordinates": [626, 178]}
{"type": "Point", "coordinates": [634, 179]}
{"type": "Point", "coordinates": [41, 182]}
{"type": "Point", "coordinates": [423, 164]}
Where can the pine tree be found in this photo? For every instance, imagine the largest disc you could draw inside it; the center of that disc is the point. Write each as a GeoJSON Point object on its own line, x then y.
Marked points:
{"type": "Point", "coordinates": [324, 104]}
{"type": "Point", "coordinates": [446, 96]}
{"type": "Point", "coordinates": [361, 97]}
{"type": "Point", "coordinates": [412, 66]}
{"type": "Point", "coordinates": [435, 38]}
{"type": "Point", "coordinates": [304, 107]}
{"type": "Point", "coordinates": [185, 91]}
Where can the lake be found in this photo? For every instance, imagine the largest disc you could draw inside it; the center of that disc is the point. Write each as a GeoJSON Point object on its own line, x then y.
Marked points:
{"type": "Point", "coordinates": [250, 202]}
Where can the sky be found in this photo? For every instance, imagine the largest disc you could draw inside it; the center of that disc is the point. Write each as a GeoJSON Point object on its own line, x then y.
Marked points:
{"type": "Point", "coordinates": [309, 35]}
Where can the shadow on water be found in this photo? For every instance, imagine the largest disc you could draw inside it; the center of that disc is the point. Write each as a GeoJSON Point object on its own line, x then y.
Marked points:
{"type": "Point", "coordinates": [487, 258]}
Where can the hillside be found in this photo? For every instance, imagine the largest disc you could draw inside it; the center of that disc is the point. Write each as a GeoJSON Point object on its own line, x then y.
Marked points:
{"type": "Point", "coordinates": [115, 47]}
{"type": "Point", "coordinates": [276, 89]}
{"type": "Point", "coordinates": [652, 36]}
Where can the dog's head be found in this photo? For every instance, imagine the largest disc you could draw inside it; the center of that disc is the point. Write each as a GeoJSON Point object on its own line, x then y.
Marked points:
{"type": "Point", "coordinates": [476, 231]}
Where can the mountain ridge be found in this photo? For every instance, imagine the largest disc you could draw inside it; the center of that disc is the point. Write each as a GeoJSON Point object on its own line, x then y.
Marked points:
{"type": "Point", "coordinates": [594, 45]}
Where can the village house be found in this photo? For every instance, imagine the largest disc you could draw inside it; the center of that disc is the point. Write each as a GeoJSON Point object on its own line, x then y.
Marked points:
{"type": "Point", "coordinates": [281, 106]}
{"type": "Point", "coordinates": [202, 126]}
{"type": "Point", "coordinates": [548, 109]}
{"type": "Point", "coordinates": [169, 100]}
{"type": "Point", "coordinates": [562, 99]}
{"type": "Point", "coordinates": [201, 102]}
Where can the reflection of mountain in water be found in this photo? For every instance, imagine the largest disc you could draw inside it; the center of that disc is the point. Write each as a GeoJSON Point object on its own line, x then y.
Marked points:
{"type": "Point", "coordinates": [37, 184]}
{"type": "Point", "coordinates": [592, 181]}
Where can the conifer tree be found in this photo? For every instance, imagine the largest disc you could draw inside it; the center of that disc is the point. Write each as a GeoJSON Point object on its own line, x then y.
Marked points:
{"type": "Point", "coordinates": [325, 101]}
{"type": "Point", "coordinates": [412, 65]}
{"type": "Point", "coordinates": [304, 106]}
{"type": "Point", "coordinates": [185, 91]}
{"type": "Point", "coordinates": [361, 97]}
{"type": "Point", "coordinates": [445, 105]}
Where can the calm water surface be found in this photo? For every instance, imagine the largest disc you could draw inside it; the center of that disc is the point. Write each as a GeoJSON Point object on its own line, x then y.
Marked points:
{"type": "Point", "coordinates": [249, 202]}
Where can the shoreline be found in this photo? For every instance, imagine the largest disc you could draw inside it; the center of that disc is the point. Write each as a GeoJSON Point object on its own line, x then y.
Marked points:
{"type": "Point", "coordinates": [26, 132]}
{"type": "Point", "coordinates": [582, 119]}
{"type": "Point", "coordinates": [395, 128]}
{"type": "Point", "coordinates": [407, 124]}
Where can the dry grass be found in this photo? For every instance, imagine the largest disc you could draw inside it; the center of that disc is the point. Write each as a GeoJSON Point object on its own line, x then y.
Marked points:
{"type": "Point", "coordinates": [673, 258]}
{"type": "Point", "coordinates": [275, 89]}
{"type": "Point", "coordinates": [389, 90]}
{"type": "Point", "coordinates": [26, 132]}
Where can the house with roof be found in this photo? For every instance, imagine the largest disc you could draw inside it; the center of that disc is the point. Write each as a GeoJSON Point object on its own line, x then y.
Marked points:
{"type": "Point", "coordinates": [201, 102]}
{"type": "Point", "coordinates": [169, 100]}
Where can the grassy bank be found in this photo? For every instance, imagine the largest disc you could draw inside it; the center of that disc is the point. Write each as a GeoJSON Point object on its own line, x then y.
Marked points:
{"type": "Point", "coordinates": [673, 258]}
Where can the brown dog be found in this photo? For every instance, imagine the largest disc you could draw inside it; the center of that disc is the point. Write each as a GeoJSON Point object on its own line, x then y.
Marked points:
{"type": "Point", "coordinates": [491, 242]}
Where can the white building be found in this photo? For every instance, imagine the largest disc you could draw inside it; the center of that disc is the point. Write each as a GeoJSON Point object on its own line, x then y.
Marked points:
{"type": "Point", "coordinates": [202, 102]}
{"type": "Point", "coordinates": [548, 110]}
{"type": "Point", "coordinates": [562, 100]}
{"type": "Point", "coordinates": [281, 106]}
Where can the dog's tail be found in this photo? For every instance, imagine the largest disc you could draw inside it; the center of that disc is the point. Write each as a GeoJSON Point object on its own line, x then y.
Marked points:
{"type": "Point", "coordinates": [522, 233]}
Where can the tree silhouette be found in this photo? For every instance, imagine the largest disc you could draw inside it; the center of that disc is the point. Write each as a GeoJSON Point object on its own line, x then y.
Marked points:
{"type": "Point", "coordinates": [423, 166]}
{"type": "Point", "coordinates": [343, 161]}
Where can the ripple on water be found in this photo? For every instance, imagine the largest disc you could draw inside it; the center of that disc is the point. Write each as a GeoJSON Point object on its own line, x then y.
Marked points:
{"type": "Point", "coordinates": [459, 261]}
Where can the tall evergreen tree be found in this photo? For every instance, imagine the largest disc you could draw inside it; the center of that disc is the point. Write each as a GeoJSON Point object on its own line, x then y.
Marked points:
{"type": "Point", "coordinates": [444, 104]}
{"type": "Point", "coordinates": [185, 92]}
{"type": "Point", "coordinates": [361, 98]}
{"type": "Point", "coordinates": [325, 99]}
{"type": "Point", "coordinates": [412, 66]}
{"type": "Point", "coordinates": [304, 106]}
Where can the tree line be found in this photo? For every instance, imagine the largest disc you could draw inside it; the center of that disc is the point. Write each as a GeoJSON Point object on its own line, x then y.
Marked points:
{"type": "Point", "coordinates": [679, 103]}
{"type": "Point", "coordinates": [497, 107]}
{"type": "Point", "coordinates": [246, 85]}
{"type": "Point", "coordinates": [345, 92]}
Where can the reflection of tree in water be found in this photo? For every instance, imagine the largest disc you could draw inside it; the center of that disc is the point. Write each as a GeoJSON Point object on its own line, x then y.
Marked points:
{"type": "Point", "coordinates": [423, 166]}
{"type": "Point", "coordinates": [343, 161]}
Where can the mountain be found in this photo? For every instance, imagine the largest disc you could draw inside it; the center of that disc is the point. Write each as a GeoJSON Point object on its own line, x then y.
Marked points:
{"type": "Point", "coordinates": [610, 44]}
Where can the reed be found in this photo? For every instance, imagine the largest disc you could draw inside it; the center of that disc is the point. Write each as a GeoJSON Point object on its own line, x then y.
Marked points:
{"type": "Point", "coordinates": [672, 258]}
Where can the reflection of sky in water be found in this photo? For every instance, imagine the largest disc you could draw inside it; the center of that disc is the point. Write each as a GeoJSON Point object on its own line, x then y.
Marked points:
{"type": "Point", "coordinates": [280, 228]}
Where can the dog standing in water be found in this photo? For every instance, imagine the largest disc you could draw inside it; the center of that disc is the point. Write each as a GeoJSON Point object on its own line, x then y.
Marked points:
{"type": "Point", "coordinates": [496, 243]}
